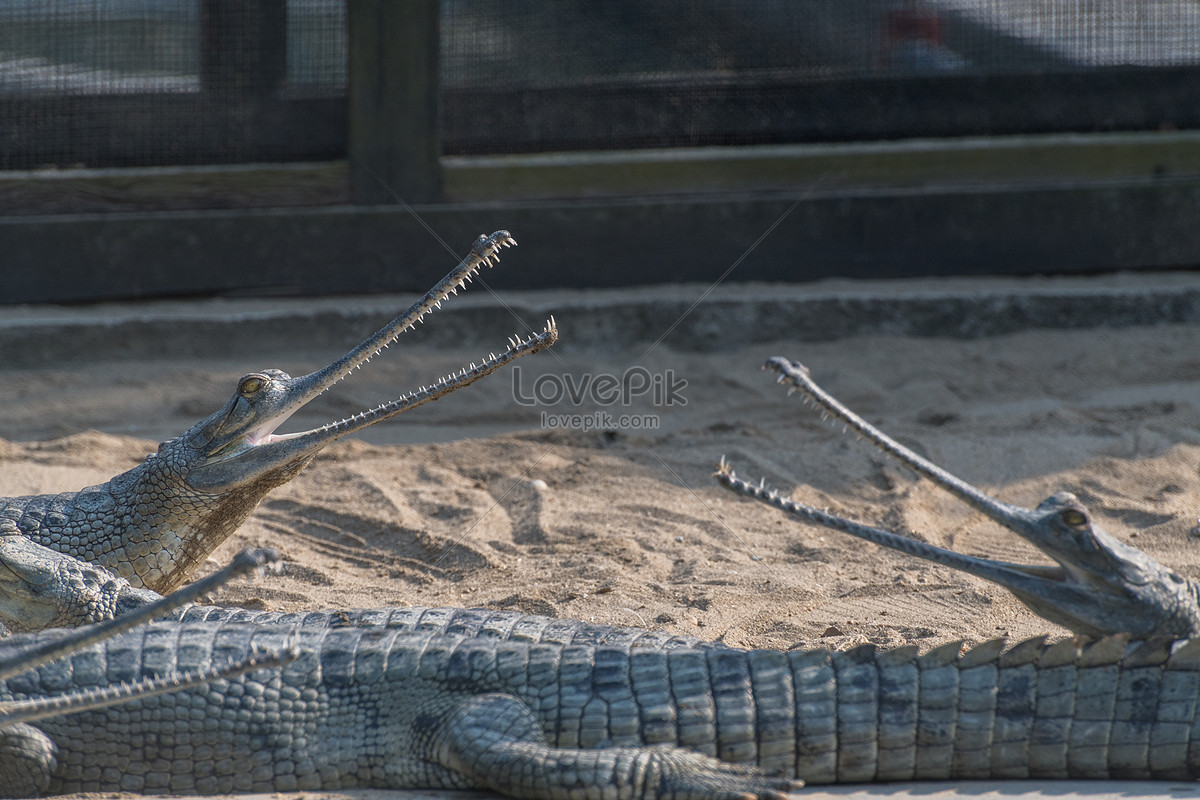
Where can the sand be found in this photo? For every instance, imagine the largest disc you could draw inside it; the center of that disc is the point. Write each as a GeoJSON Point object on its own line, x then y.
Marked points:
{"type": "Point", "coordinates": [483, 500]}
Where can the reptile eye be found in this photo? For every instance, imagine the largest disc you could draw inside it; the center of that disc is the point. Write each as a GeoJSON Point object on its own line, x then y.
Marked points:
{"type": "Point", "coordinates": [250, 385]}
{"type": "Point", "coordinates": [1073, 518]}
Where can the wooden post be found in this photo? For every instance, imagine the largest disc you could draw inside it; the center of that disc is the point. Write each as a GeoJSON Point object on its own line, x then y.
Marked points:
{"type": "Point", "coordinates": [243, 51]}
{"type": "Point", "coordinates": [393, 101]}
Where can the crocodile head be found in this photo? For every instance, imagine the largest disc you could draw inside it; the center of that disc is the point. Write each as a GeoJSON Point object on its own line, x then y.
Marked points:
{"type": "Point", "coordinates": [1100, 585]}
{"type": "Point", "coordinates": [238, 445]}
{"type": "Point", "coordinates": [42, 588]}
{"type": "Point", "coordinates": [200, 486]}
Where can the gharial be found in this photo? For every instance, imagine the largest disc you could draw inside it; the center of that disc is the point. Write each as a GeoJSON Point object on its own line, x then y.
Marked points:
{"type": "Point", "coordinates": [153, 524]}
{"type": "Point", "coordinates": [1101, 586]}
{"type": "Point", "coordinates": [539, 708]}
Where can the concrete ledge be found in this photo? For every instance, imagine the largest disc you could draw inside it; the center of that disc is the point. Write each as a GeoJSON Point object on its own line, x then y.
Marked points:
{"type": "Point", "coordinates": [688, 317]}
{"type": "Point", "coordinates": [792, 236]}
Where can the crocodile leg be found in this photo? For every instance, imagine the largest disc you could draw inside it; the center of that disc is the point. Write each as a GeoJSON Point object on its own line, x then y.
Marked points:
{"type": "Point", "coordinates": [495, 742]}
{"type": "Point", "coordinates": [1101, 586]}
{"type": "Point", "coordinates": [43, 588]}
{"type": "Point", "coordinates": [369, 707]}
{"type": "Point", "coordinates": [28, 759]}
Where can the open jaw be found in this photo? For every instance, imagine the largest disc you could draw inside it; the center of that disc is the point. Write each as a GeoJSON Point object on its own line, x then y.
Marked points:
{"type": "Point", "coordinates": [265, 439]}
{"type": "Point", "coordinates": [239, 442]}
{"type": "Point", "coordinates": [1099, 585]}
{"type": "Point", "coordinates": [1047, 589]}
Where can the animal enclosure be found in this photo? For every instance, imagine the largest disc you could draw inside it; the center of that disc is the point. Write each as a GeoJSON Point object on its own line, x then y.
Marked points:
{"type": "Point", "coordinates": [916, 137]}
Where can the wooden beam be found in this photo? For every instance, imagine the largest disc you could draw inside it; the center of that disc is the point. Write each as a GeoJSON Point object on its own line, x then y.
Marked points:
{"type": "Point", "coordinates": [1014, 230]}
{"type": "Point", "coordinates": [243, 48]}
{"type": "Point", "coordinates": [393, 101]}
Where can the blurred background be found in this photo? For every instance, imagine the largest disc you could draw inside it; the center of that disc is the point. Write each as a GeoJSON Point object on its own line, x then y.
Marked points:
{"type": "Point", "coordinates": [182, 148]}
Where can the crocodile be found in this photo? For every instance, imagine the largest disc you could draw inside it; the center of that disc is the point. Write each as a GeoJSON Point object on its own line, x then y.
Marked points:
{"type": "Point", "coordinates": [1101, 585]}
{"type": "Point", "coordinates": [155, 523]}
{"type": "Point", "coordinates": [535, 707]}
{"type": "Point", "coordinates": [539, 708]}
{"type": "Point", "coordinates": [373, 706]}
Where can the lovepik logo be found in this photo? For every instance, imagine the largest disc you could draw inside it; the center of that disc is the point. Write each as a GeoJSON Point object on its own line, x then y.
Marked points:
{"type": "Point", "coordinates": [600, 389]}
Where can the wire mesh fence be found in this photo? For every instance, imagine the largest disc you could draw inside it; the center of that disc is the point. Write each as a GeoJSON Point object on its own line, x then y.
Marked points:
{"type": "Point", "coordinates": [156, 82]}
{"type": "Point", "coordinates": [580, 75]}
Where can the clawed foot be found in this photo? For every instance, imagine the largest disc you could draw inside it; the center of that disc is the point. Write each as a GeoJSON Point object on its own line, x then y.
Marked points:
{"type": "Point", "coordinates": [685, 775]}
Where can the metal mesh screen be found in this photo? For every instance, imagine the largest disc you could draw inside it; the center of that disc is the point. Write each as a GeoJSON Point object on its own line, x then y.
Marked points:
{"type": "Point", "coordinates": [83, 48]}
{"type": "Point", "coordinates": [153, 82]}
{"type": "Point", "coordinates": [545, 44]}
{"type": "Point", "coordinates": [1084, 34]}
{"type": "Point", "coordinates": [582, 75]}
{"type": "Point", "coordinates": [316, 46]}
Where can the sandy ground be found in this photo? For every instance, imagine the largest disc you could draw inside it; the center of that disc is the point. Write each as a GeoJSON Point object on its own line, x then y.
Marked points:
{"type": "Point", "coordinates": [478, 501]}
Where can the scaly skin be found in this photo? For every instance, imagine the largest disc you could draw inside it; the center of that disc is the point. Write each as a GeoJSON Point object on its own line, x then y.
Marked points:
{"type": "Point", "coordinates": [27, 758]}
{"type": "Point", "coordinates": [538, 708]}
{"type": "Point", "coordinates": [43, 585]}
{"type": "Point", "coordinates": [155, 523]}
{"type": "Point", "coordinates": [541, 708]}
{"type": "Point", "coordinates": [1102, 586]}
{"type": "Point", "coordinates": [375, 707]}
{"type": "Point", "coordinates": [108, 607]}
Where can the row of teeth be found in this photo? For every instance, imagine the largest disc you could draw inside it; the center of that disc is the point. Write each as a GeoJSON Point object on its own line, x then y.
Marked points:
{"type": "Point", "coordinates": [808, 394]}
{"type": "Point", "coordinates": [796, 377]}
{"type": "Point", "coordinates": [727, 476]}
{"type": "Point", "coordinates": [515, 341]}
{"type": "Point", "coordinates": [488, 253]}
{"type": "Point", "coordinates": [516, 345]}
